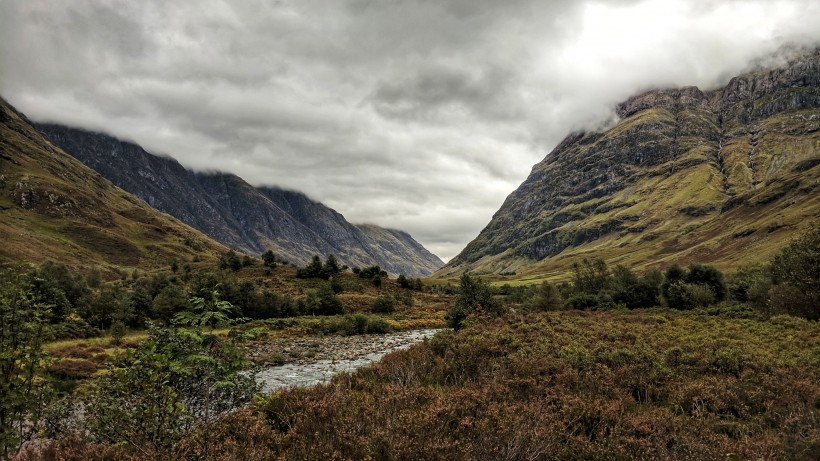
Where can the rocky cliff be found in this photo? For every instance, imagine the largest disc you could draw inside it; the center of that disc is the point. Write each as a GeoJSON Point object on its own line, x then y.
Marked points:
{"type": "Point", "coordinates": [724, 176]}
{"type": "Point", "coordinates": [243, 217]}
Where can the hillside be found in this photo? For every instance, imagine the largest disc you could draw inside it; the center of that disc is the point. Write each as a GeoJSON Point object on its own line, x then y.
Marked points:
{"type": "Point", "coordinates": [239, 215]}
{"type": "Point", "coordinates": [725, 176]}
{"type": "Point", "coordinates": [54, 207]}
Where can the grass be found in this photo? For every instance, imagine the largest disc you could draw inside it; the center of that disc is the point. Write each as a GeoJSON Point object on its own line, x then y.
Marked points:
{"type": "Point", "coordinates": [617, 385]}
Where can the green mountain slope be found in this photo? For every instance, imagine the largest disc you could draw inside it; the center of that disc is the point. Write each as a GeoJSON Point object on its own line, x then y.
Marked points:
{"type": "Point", "coordinates": [54, 207]}
{"type": "Point", "coordinates": [726, 177]}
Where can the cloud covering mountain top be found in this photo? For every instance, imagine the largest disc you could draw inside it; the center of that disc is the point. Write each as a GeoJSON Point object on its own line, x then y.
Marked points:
{"type": "Point", "coordinates": [418, 115]}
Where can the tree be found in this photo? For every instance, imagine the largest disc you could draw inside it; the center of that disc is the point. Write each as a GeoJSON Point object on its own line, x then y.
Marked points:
{"type": "Point", "coordinates": [384, 304]}
{"type": "Point", "coordinates": [591, 276]}
{"type": "Point", "coordinates": [269, 259]}
{"type": "Point", "coordinates": [118, 331]}
{"type": "Point", "coordinates": [331, 267]}
{"type": "Point", "coordinates": [175, 378]}
{"type": "Point", "coordinates": [230, 260]}
{"type": "Point", "coordinates": [709, 276]}
{"type": "Point", "coordinates": [796, 276]}
{"type": "Point", "coordinates": [312, 270]}
{"type": "Point", "coordinates": [402, 281]}
{"type": "Point", "coordinates": [633, 291]}
{"type": "Point", "coordinates": [111, 302]}
{"type": "Point", "coordinates": [169, 302]}
{"type": "Point", "coordinates": [474, 295]}
{"type": "Point", "coordinates": [24, 326]}
{"type": "Point", "coordinates": [326, 301]}
{"type": "Point", "coordinates": [547, 298]}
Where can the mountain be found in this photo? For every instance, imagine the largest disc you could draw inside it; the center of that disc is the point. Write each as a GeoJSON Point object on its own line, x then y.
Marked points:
{"type": "Point", "coordinates": [241, 216]}
{"type": "Point", "coordinates": [725, 177]}
{"type": "Point", "coordinates": [54, 207]}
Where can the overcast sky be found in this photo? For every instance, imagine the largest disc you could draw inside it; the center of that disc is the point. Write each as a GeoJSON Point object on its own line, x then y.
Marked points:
{"type": "Point", "coordinates": [418, 115]}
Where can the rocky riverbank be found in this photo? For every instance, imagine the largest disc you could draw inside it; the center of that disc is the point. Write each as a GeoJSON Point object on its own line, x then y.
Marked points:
{"type": "Point", "coordinates": [309, 361]}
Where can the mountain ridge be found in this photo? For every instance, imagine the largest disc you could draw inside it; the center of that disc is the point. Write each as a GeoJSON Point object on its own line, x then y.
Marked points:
{"type": "Point", "coordinates": [657, 187]}
{"type": "Point", "coordinates": [54, 207]}
{"type": "Point", "coordinates": [247, 218]}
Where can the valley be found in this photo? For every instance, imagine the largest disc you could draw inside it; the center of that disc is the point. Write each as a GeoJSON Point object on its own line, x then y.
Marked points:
{"type": "Point", "coordinates": [650, 291]}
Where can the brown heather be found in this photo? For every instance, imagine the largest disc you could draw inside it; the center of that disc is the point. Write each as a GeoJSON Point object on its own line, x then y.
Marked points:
{"type": "Point", "coordinates": [617, 385]}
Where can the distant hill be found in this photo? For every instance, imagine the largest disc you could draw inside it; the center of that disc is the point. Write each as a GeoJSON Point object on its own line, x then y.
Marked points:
{"type": "Point", "coordinates": [725, 177]}
{"type": "Point", "coordinates": [241, 216]}
{"type": "Point", "coordinates": [54, 207]}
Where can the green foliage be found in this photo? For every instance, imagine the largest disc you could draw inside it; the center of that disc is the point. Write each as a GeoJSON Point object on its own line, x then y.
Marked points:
{"type": "Point", "coordinates": [371, 272]}
{"type": "Point", "coordinates": [109, 303]}
{"type": "Point", "coordinates": [175, 378]}
{"type": "Point", "coordinates": [384, 304]}
{"type": "Point", "coordinates": [269, 259]}
{"type": "Point", "coordinates": [700, 274]}
{"type": "Point", "coordinates": [796, 277]}
{"type": "Point", "coordinates": [749, 285]}
{"type": "Point", "coordinates": [360, 324]}
{"type": "Point", "coordinates": [633, 291]}
{"type": "Point", "coordinates": [211, 312]}
{"type": "Point", "coordinates": [316, 269]}
{"type": "Point", "coordinates": [590, 276]}
{"type": "Point", "coordinates": [230, 260]}
{"type": "Point", "coordinates": [118, 331]}
{"type": "Point", "coordinates": [403, 282]}
{"type": "Point", "coordinates": [547, 298]}
{"type": "Point", "coordinates": [169, 302]}
{"type": "Point", "coordinates": [699, 286]}
{"type": "Point", "coordinates": [24, 324]}
{"type": "Point", "coordinates": [474, 295]}
{"type": "Point", "coordinates": [322, 301]}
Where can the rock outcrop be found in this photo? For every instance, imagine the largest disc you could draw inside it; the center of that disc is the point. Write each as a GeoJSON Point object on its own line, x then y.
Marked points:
{"type": "Point", "coordinates": [725, 176]}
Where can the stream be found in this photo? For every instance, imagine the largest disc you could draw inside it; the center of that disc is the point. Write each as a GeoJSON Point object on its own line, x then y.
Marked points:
{"type": "Point", "coordinates": [319, 359]}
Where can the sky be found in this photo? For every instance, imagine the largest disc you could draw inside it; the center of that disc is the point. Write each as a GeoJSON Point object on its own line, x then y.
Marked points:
{"type": "Point", "coordinates": [418, 115]}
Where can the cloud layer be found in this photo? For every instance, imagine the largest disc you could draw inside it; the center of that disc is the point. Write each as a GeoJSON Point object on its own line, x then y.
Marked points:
{"type": "Point", "coordinates": [413, 114]}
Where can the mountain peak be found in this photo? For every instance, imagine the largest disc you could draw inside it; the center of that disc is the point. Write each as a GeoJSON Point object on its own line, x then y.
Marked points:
{"type": "Point", "coordinates": [725, 176]}
{"type": "Point", "coordinates": [239, 215]}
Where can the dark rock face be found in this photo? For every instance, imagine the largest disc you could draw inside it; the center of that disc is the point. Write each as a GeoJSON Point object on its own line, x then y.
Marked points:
{"type": "Point", "coordinates": [677, 159]}
{"type": "Point", "coordinates": [233, 212]}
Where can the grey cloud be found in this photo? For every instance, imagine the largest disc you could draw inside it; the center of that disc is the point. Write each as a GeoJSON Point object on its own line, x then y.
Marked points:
{"type": "Point", "coordinates": [413, 114]}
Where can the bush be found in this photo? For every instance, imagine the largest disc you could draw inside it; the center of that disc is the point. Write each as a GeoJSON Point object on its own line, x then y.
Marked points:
{"type": "Point", "coordinates": [796, 276]}
{"type": "Point", "coordinates": [230, 260]}
{"type": "Point", "coordinates": [547, 298]}
{"type": "Point", "coordinates": [699, 274]}
{"type": "Point", "coordinates": [384, 304]}
{"type": "Point", "coordinates": [73, 369]}
{"type": "Point", "coordinates": [474, 295]}
{"type": "Point", "coordinates": [685, 296]}
{"type": "Point", "coordinates": [352, 325]}
{"type": "Point", "coordinates": [73, 328]}
{"type": "Point", "coordinates": [322, 301]}
{"type": "Point", "coordinates": [582, 301]}
{"type": "Point", "coordinates": [591, 276]}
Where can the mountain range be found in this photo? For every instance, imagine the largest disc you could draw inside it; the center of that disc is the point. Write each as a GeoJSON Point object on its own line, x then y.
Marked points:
{"type": "Point", "coordinates": [54, 207]}
{"type": "Point", "coordinates": [726, 176]}
{"type": "Point", "coordinates": [243, 217]}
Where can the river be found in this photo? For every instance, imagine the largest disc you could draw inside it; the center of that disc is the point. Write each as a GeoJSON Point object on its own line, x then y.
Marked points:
{"type": "Point", "coordinates": [315, 360]}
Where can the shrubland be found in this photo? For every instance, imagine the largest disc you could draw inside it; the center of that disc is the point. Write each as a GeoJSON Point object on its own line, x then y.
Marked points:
{"type": "Point", "coordinates": [684, 363]}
